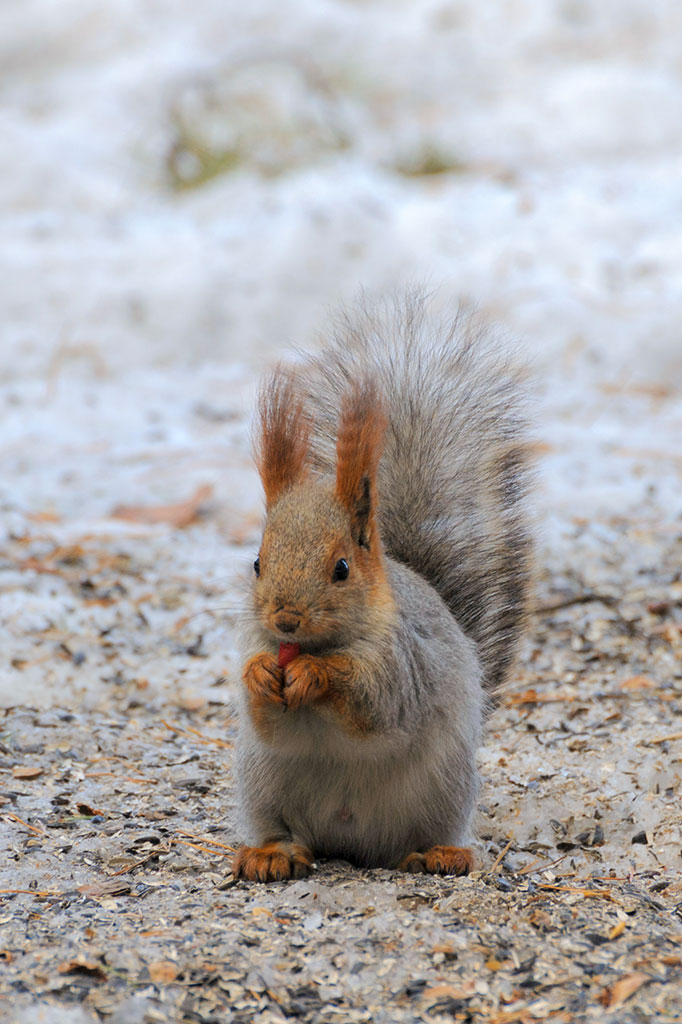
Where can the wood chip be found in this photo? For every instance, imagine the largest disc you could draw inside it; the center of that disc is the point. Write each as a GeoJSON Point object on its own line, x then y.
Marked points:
{"type": "Point", "coordinates": [108, 888]}
{"type": "Point", "coordinates": [90, 812]}
{"type": "Point", "coordinates": [80, 965]}
{"type": "Point", "coordinates": [26, 771]}
{"type": "Point", "coordinates": [638, 683]}
{"type": "Point", "coordinates": [621, 990]}
{"type": "Point", "coordinates": [163, 972]}
{"type": "Point", "coordinates": [438, 992]}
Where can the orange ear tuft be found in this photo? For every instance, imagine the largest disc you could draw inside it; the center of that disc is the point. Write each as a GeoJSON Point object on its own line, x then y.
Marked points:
{"type": "Point", "coordinates": [358, 450]}
{"type": "Point", "coordinates": [283, 440]}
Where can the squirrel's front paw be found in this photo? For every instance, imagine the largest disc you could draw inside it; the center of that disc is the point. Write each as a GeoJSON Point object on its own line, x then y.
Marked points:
{"type": "Point", "coordinates": [305, 680]}
{"type": "Point", "coordinates": [263, 679]}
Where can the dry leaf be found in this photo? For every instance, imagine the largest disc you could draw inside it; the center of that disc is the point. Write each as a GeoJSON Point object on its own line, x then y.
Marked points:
{"type": "Point", "coordinates": [112, 887]}
{"type": "Point", "coordinates": [183, 513]}
{"type": "Point", "coordinates": [24, 771]}
{"type": "Point", "coordinates": [162, 972]}
{"type": "Point", "coordinates": [89, 812]}
{"type": "Point", "coordinates": [621, 990]}
{"type": "Point", "coordinates": [82, 966]}
{"type": "Point", "coordinates": [638, 683]}
{"type": "Point", "coordinates": [438, 992]}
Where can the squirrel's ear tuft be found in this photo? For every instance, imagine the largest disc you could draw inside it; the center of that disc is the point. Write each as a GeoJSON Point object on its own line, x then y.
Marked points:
{"type": "Point", "coordinates": [283, 435]}
{"type": "Point", "coordinates": [358, 450]}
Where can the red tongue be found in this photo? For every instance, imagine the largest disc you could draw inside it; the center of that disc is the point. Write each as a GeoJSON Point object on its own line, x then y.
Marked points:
{"type": "Point", "coordinates": [287, 653]}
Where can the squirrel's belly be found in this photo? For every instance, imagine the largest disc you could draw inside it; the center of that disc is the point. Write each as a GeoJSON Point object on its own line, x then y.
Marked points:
{"type": "Point", "coordinates": [370, 816]}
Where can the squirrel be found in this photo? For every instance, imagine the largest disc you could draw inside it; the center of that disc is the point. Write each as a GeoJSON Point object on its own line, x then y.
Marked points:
{"type": "Point", "coordinates": [388, 595]}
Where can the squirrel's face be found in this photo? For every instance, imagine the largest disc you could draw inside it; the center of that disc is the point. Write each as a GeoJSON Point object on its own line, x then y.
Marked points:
{"type": "Point", "coordinates": [320, 568]}
{"type": "Point", "coordinates": [312, 580]}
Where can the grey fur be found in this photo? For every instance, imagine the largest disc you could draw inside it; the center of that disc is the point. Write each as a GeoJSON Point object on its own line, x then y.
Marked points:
{"type": "Point", "coordinates": [454, 473]}
{"type": "Point", "coordinates": [452, 521]}
{"type": "Point", "coordinates": [412, 783]}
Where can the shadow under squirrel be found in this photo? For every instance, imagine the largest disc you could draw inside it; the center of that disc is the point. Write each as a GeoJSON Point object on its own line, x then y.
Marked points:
{"type": "Point", "coordinates": [388, 595]}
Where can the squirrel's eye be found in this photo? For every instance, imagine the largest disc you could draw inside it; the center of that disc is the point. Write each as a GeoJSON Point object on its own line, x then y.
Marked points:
{"type": "Point", "coordinates": [341, 570]}
{"type": "Point", "coordinates": [256, 567]}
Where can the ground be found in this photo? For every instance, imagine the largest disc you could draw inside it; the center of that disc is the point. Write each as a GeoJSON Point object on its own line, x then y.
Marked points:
{"type": "Point", "coordinates": [117, 796]}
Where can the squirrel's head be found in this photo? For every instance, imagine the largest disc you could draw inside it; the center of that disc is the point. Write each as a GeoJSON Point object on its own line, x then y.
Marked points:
{"type": "Point", "coordinates": [320, 563]}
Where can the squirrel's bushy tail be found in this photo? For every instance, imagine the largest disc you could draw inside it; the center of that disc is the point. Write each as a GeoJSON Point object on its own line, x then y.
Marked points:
{"type": "Point", "coordinates": [454, 471]}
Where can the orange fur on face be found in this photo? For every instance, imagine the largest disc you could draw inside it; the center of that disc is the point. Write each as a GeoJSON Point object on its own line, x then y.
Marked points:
{"type": "Point", "coordinates": [313, 522]}
{"type": "Point", "coordinates": [283, 441]}
{"type": "Point", "coordinates": [358, 450]}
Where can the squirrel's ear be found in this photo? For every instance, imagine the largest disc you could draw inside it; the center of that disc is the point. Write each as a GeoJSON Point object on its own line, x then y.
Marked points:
{"type": "Point", "coordinates": [358, 450]}
{"type": "Point", "coordinates": [283, 436]}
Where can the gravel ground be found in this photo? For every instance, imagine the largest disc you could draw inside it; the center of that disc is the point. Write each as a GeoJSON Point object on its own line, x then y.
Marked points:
{"type": "Point", "coordinates": [117, 800]}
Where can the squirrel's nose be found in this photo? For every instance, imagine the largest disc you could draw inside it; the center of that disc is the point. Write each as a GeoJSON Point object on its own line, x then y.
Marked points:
{"type": "Point", "coordinates": [287, 622]}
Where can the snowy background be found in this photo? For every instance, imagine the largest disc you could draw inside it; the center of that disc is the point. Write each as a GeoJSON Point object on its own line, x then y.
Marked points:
{"type": "Point", "coordinates": [188, 189]}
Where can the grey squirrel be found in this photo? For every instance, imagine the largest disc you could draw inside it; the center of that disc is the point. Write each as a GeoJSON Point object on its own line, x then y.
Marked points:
{"type": "Point", "coordinates": [388, 594]}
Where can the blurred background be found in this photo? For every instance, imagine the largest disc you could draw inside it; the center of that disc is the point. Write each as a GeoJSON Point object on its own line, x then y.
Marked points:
{"type": "Point", "coordinates": [187, 190]}
{"type": "Point", "coordinates": [203, 181]}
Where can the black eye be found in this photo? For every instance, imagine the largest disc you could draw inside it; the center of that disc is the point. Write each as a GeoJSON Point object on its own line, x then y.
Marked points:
{"type": "Point", "coordinates": [256, 567]}
{"type": "Point", "coordinates": [341, 570]}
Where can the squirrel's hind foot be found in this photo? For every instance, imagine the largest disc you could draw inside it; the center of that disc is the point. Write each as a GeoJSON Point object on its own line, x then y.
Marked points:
{"type": "Point", "coordinates": [439, 860]}
{"type": "Point", "coordinates": [273, 862]}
